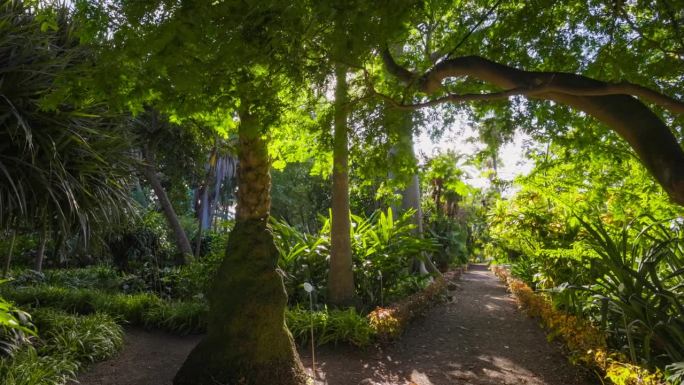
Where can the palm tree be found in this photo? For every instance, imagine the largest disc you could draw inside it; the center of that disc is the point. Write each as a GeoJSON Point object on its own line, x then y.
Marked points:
{"type": "Point", "coordinates": [64, 162]}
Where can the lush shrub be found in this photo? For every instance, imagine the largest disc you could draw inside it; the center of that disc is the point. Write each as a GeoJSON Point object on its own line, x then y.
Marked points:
{"type": "Point", "coordinates": [452, 236]}
{"type": "Point", "coordinates": [330, 326]}
{"type": "Point", "coordinates": [303, 258]}
{"type": "Point", "coordinates": [383, 248]}
{"type": "Point", "coordinates": [641, 278]}
{"type": "Point", "coordinates": [94, 277]}
{"type": "Point", "coordinates": [130, 308]}
{"type": "Point", "coordinates": [28, 367]}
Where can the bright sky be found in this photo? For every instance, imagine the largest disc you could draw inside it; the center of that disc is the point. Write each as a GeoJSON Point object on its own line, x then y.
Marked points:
{"type": "Point", "coordinates": [462, 138]}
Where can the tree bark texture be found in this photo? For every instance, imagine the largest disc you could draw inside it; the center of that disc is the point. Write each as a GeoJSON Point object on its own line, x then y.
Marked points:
{"type": "Point", "coordinates": [247, 341]}
{"type": "Point", "coordinates": [615, 105]}
{"type": "Point", "coordinates": [150, 172]}
{"type": "Point", "coordinates": [341, 290]}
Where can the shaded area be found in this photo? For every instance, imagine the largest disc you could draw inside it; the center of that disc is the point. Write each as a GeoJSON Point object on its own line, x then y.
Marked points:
{"type": "Point", "coordinates": [478, 337]}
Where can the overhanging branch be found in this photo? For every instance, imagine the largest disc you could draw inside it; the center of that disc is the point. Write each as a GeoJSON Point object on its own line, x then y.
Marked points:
{"type": "Point", "coordinates": [618, 105]}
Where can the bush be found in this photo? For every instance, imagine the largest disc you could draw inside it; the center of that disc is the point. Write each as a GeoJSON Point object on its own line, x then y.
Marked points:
{"type": "Point", "coordinates": [27, 367]}
{"type": "Point", "coordinates": [144, 309]}
{"type": "Point", "coordinates": [94, 277]}
{"type": "Point", "coordinates": [330, 326]}
{"type": "Point", "coordinates": [381, 246]}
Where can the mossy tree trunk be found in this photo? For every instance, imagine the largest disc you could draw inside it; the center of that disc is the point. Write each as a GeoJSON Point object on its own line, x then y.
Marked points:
{"type": "Point", "coordinates": [341, 276]}
{"type": "Point", "coordinates": [247, 340]}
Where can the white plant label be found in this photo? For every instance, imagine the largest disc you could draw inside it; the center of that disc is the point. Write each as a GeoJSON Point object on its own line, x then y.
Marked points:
{"type": "Point", "coordinates": [307, 287]}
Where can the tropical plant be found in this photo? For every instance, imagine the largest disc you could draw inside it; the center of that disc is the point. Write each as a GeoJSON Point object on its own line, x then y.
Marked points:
{"type": "Point", "coordinates": [642, 278]}
{"type": "Point", "coordinates": [65, 163]}
{"type": "Point", "coordinates": [15, 327]}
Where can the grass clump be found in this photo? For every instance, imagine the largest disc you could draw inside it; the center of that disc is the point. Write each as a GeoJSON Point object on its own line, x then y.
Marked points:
{"type": "Point", "coordinates": [330, 326]}
{"type": "Point", "coordinates": [178, 317]}
{"type": "Point", "coordinates": [66, 343]}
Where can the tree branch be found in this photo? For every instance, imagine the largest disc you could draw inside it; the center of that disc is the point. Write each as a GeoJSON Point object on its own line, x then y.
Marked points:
{"type": "Point", "coordinates": [541, 82]}
{"type": "Point", "coordinates": [616, 105]}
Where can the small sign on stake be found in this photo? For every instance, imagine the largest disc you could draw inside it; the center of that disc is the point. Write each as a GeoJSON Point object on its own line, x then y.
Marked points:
{"type": "Point", "coordinates": [309, 289]}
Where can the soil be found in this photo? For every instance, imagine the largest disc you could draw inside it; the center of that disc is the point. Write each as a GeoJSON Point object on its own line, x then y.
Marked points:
{"type": "Point", "coordinates": [478, 337]}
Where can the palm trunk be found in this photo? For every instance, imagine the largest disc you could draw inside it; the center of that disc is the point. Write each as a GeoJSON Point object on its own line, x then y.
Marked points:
{"type": "Point", "coordinates": [341, 275]}
{"type": "Point", "coordinates": [150, 171]}
{"type": "Point", "coordinates": [247, 340]}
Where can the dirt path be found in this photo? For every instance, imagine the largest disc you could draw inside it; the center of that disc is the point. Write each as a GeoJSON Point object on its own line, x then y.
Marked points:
{"type": "Point", "coordinates": [479, 338]}
{"type": "Point", "coordinates": [148, 358]}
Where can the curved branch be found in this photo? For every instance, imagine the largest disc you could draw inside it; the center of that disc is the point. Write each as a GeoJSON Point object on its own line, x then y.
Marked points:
{"type": "Point", "coordinates": [551, 82]}
{"type": "Point", "coordinates": [612, 104]}
{"type": "Point", "coordinates": [405, 76]}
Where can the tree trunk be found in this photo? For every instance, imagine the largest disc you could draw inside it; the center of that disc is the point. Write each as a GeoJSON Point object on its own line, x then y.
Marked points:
{"type": "Point", "coordinates": [341, 275]}
{"type": "Point", "coordinates": [410, 197]}
{"type": "Point", "coordinates": [150, 172]}
{"type": "Point", "coordinates": [247, 341]}
{"type": "Point", "coordinates": [8, 259]}
{"type": "Point", "coordinates": [40, 255]}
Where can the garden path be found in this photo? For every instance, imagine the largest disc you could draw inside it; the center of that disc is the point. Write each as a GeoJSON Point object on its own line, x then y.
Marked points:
{"type": "Point", "coordinates": [477, 338]}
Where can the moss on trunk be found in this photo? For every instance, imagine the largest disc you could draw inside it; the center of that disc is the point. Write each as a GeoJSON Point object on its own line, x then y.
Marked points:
{"type": "Point", "coordinates": [247, 340]}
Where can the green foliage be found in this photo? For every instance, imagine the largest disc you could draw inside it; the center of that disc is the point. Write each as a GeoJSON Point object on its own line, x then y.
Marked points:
{"type": "Point", "coordinates": [303, 258]}
{"type": "Point", "coordinates": [178, 317]}
{"type": "Point", "coordinates": [642, 277]}
{"type": "Point", "coordinates": [15, 327]}
{"type": "Point", "coordinates": [87, 339]}
{"type": "Point", "coordinates": [603, 246]}
{"type": "Point", "coordinates": [330, 326]}
{"type": "Point", "coordinates": [67, 343]}
{"type": "Point", "coordinates": [65, 164]}
{"type": "Point", "coordinates": [145, 309]}
{"type": "Point", "coordinates": [28, 367]}
{"type": "Point", "coordinates": [381, 246]}
{"type": "Point", "coordinates": [452, 236]}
